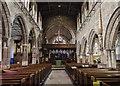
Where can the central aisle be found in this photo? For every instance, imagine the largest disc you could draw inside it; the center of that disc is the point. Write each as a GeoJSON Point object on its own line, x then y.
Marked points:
{"type": "Point", "coordinates": [58, 78]}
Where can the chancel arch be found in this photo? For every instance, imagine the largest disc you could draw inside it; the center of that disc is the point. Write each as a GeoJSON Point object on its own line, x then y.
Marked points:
{"type": "Point", "coordinates": [60, 22]}
{"type": "Point", "coordinates": [65, 30]}
{"type": "Point", "coordinates": [111, 42]}
{"type": "Point", "coordinates": [60, 40]}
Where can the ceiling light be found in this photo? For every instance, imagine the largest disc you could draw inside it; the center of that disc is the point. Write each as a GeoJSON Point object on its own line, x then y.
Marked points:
{"type": "Point", "coordinates": [59, 5]}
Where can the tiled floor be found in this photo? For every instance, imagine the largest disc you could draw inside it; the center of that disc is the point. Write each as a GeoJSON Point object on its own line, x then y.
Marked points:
{"type": "Point", "coordinates": [58, 78]}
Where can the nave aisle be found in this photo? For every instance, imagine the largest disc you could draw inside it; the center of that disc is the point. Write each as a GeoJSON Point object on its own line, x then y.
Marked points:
{"type": "Point", "coordinates": [58, 78]}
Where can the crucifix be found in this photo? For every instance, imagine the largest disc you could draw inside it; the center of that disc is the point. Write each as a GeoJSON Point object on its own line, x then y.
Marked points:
{"type": "Point", "coordinates": [58, 36]}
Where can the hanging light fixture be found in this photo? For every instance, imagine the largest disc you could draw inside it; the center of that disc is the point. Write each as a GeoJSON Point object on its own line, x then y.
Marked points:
{"type": "Point", "coordinates": [59, 5]}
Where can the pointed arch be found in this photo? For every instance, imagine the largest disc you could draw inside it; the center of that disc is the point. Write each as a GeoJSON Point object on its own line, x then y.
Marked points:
{"type": "Point", "coordinates": [114, 22]}
{"type": "Point", "coordinates": [91, 39]}
{"type": "Point", "coordinates": [83, 45]}
{"type": "Point", "coordinates": [5, 15]}
{"type": "Point", "coordinates": [21, 20]}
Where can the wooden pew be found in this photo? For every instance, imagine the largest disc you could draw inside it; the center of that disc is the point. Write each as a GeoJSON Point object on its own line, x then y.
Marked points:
{"type": "Point", "coordinates": [82, 75]}
{"type": "Point", "coordinates": [99, 74]}
{"type": "Point", "coordinates": [72, 71]}
{"type": "Point", "coordinates": [31, 75]}
{"type": "Point", "coordinates": [109, 81]}
{"type": "Point", "coordinates": [15, 65]}
{"type": "Point", "coordinates": [14, 79]}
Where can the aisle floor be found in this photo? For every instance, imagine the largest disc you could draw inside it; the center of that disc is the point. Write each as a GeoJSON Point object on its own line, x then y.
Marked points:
{"type": "Point", "coordinates": [58, 78]}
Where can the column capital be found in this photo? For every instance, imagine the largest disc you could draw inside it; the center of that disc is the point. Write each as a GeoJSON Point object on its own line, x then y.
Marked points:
{"type": "Point", "coordinates": [90, 52]}
{"type": "Point", "coordinates": [83, 54]}
{"type": "Point", "coordinates": [4, 38]}
{"type": "Point", "coordinates": [113, 49]}
{"type": "Point", "coordinates": [34, 48]}
{"type": "Point", "coordinates": [25, 45]}
{"type": "Point", "coordinates": [108, 49]}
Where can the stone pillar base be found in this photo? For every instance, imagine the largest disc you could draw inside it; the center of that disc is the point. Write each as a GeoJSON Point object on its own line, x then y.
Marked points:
{"type": "Point", "coordinates": [34, 60]}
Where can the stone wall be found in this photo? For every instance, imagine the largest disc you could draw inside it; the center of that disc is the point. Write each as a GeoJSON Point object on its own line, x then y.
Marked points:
{"type": "Point", "coordinates": [92, 22]}
{"type": "Point", "coordinates": [13, 10]}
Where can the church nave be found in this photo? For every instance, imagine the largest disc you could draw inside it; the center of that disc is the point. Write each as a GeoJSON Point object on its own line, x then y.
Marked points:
{"type": "Point", "coordinates": [60, 42]}
{"type": "Point", "coordinates": [58, 78]}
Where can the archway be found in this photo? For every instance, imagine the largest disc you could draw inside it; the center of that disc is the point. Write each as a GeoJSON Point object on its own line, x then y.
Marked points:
{"type": "Point", "coordinates": [96, 49]}
{"type": "Point", "coordinates": [19, 42]}
{"type": "Point", "coordinates": [4, 35]}
{"type": "Point", "coordinates": [79, 54]}
{"type": "Point", "coordinates": [78, 51]}
{"type": "Point", "coordinates": [39, 44]}
{"type": "Point", "coordinates": [60, 23]}
{"type": "Point", "coordinates": [117, 49]}
{"type": "Point", "coordinates": [84, 51]}
{"type": "Point", "coordinates": [91, 43]}
{"type": "Point", "coordinates": [32, 46]}
{"type": "Point", "coordinates": [112, 32]}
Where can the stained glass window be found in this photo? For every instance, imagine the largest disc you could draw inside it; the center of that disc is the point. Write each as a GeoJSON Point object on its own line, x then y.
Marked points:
{"type": "Point", "coordinates": [59, 40]}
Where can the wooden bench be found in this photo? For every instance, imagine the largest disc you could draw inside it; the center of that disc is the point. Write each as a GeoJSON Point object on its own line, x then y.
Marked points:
{"type": "Point", "coordinates": [15, 65]}
{"type": "Point", "coordinates": [87, 76]}
{"type": "Point", "coordinates": [99, 73]}
{"type": "Point", "coordinates": [72, 71]}
{"type": "Point", "coordinates": [32, 75]}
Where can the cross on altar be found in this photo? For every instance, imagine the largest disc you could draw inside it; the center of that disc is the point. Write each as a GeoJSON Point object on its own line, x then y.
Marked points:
{"type": "Point", "coordinates": [58, 35]}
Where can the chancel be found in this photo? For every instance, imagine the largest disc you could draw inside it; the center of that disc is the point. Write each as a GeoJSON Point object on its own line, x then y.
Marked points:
{"type": "Point", "coordinates": [64, 43]}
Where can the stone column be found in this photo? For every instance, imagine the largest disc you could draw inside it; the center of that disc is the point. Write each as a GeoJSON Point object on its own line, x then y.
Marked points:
{"type": "Point", "coordinates": [78, 59]}
{"type": "Point", "coordinates": [102, 57]}
{"type": "Point", "coordinates": [33, 11]}
{"type": "Point", "coordinates": [40, 56]}
{"type": "Point", "coordinates": [37, 52]}
{"type": "Point", "coordinates": [39, 21]}
{"type": "Point", "coordinates": [109, 63]}
{"type": "Point", "coordinates": [28, 3]}
{"type": "Point", "coordinates": [34, 55]}
{"type": "Point", "coordinates": [5, 60]}
{"type": "Point", "coordinates": [90, 58]}
{"type": "Point", "coordinates": [25, 55]}
{"type": "Point", "coordinates": [4, 57]}
{"type": "Point", "coordinates": [10, 51]}
{"type": "Point", "coordinates": [83, 58]}
{"type": "Point", "coordinates": [113, 56]}
{"type": "Point", "coordinates": [36, 14]}
{"type": "Point", "coordinates": [49, 54]}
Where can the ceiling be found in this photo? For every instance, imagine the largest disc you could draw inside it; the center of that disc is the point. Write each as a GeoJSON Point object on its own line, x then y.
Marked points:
{"type": "Point", "coordinates": [53, 9]}
{"type": "Point", "coordinates": [59, 8]}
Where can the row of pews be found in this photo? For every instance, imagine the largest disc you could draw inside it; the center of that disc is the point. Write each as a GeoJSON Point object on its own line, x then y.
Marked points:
{"type": "Point", "coordinates": [89, 75]}
{"type": "Point", "coordinates": [32, 75]}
